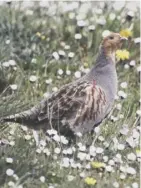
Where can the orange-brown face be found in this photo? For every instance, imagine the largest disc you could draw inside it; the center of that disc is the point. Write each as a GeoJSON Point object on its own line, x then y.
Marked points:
{"type": "Point", "coordinates": [112, 42]}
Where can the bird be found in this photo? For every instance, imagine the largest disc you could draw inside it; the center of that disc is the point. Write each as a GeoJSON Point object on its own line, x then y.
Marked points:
{"type": "Point", "coordinates": [79, 106]}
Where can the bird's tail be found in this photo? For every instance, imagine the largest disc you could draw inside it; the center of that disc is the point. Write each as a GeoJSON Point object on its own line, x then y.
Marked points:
{"type": "Point", "coordinates": [26, 117]}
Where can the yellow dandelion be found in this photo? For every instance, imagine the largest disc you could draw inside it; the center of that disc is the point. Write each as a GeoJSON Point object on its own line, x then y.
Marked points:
{"type": "Point", "coordinates": [38, 34]}
{"type": "Point", "coordinates": [138, 152]}
{"type": "Point", "coordinates": [96, 164]}
{"type": "Point", "coordinates": [90, 181]}
{"type": "Point", "coordinates": [126, 33]}
{"type": "Point", "coordinates": [122, 54]}
{"type": "Point", "coordinates": [86, 65]}
{"type": "Point", "coordinates": [43, 37]}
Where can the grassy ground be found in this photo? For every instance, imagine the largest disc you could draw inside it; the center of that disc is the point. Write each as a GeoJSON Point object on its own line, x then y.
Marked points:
{"type": "Point", "coordinates": [29, 35]}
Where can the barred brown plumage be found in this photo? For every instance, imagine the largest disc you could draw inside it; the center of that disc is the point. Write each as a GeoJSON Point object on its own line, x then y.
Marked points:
{"type": "Point", "coordinates": [81, 105]}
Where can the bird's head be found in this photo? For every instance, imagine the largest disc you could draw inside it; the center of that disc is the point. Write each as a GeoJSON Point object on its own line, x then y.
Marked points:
{"type": "Point", "coordinates": [112, 42]}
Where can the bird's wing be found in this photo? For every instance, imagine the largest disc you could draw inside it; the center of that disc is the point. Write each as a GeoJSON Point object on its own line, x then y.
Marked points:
{"type": "Point", "coordinates": [79, 102]}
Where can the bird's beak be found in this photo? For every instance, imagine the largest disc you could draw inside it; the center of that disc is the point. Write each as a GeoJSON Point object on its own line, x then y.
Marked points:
{"type": "Point", "coordinates": [123, 39]}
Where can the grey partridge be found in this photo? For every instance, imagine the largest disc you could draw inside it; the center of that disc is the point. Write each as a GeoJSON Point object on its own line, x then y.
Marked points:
{"type": "Point", "coordinates": [83, 104]}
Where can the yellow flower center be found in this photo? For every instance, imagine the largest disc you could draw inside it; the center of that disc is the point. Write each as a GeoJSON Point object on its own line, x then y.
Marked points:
{"type": "Point", "coordinates": [90, 181]}
{"type": "Point", "coordinates": [96, 164]}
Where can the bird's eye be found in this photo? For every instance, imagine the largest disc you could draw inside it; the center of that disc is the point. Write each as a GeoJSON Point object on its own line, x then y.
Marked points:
{"type": "Point", "coordinates": [111, 37]}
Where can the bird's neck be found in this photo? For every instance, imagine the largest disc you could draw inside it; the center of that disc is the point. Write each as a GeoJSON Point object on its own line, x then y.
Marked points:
{"type": "Point", "coordinates": [106, 55]}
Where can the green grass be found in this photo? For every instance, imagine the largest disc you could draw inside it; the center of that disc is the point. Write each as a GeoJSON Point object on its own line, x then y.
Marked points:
{"type": "Point", "coordinates": [20, 26]}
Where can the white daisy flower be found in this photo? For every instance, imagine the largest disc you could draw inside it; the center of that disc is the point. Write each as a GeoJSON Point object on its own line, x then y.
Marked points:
{"type": "Point", "coordinates": [9, 172]}
{"type": "Point", "coordinates": [106, 33]}
{"type": "Point", "coordinates": [116, 184]}
{"type": "Point", "coordinates": [57, 150]}
{"type": "Point", "coordinates": [60, 71]}
{"type": "Point", "coordinates": [55, 55]}
{"type": "Point", "coordinates": [43, 143]}
{"type": "Point", "coordinates": [61, 53]}
{"type": "Point", "coordinates": [130, 13]}
{"type": "Point", "coordinates": [38, 150]}
{"type": "Point", "coordinates": [131, 156]}
{"type": "Point", "coordinates": [68, 72]}
{"type": "Point", "coordinates": [12, 62]}
{"type": "Point", "coordinates": [122, 169]}
{"type": "Point", "coordinates": [69, 151]}
{"type": "Point", "coordinates": [118, 106]}
{"type": "Point", "coordinates": [71, 15]}
{"type": "Point", "coordinates": [67, 47]}
{"type": "Point", "coordinates": [88, 166]}
{"type": "Point", "coordinates": [52, 132]}
{"type": "Point", "coordinates": [135, 185]}
{"type": "Point", "coordinates": [137, 40]}
{"type": "Point", "coordinates": [82, 175]}
{"type": "Point", "coordinates": [81, 156]}
{"type": "Point", "coordinates": [101, 138]}
{"type": "Point", "coordinates": [27, 137]}
{"type": "Point", "coordinates": [97, 130]}
{"type": "Point", "coordinates": [81, 23]}
{"type": "Point", "coordinates": [109, 168]}
{"type": "Point", "coordinates": [132, 63]}
{"type": "Point", "coordinates": [98, 11]}
{"type": "Point", "coordinates": [65, 162]}
{"type": "Point", "coordinates": [99, 150]}
{"type": "Point", "coordinates": [79, 134]}
{"type": "Point", "coordinates": [124, 130]}
{"type": "Point", "coordinates": [82, 148]}
{"type": "Point", "coordinates": [34, 61]}
{"type": "Point", "coordinates": [65, 152]}
{"type": "Point", "coordinates": [122, 176]}
{"type": "Point", "coordinates": [123, 85]}
{"type": "Point", "coordinates": [135, 134]}
{"type": "Point", "coordinates": [5, 64]}
{"type": "Point", "coordinates": [12, 143]}
{"type": "Point", "coordinates": [139, 69]}
{"type": "Point", "coordinates": [112, 16]}
{"type": "Point", "coordinates": [131, 142]}
{"type": "Point", "coordinates": [122, 94]}
{"type": "Point", "coordinates": [9, 160]}
{"type": "Point", "coordinates": [46, 95]}
{"type": "Point", "coordinates": [101, 21]}
{"type": "Point", "coordinates": [138, 112]}
{"type": "Point", "coordinates": [7, 42]}
{"type": "Point", "coordinates": [131, 170]}
{"type": "Point", "coordinates": [126, 66]}
{"type": "Point", "coordinates": [70, 178]}
{"type": "Point", "coordinates": [46, 151]}
{"type": "Point", "coordinates": [121, 116]}
{"type": "Point", "coordinates": [11, 184]}
{"type": "Point", "coordinates": [54, 89]}
{"type": "Point", "coordinates": [42, 179]}
{"type": "Point", "coordinates": [77, 74]}
{"type": "Point", "coordinates": [71, 54]}
{"type": "Point", "coordinates": [63, 140]}
{"type": "Point", "coordinates": [91, 28]}
{"type": "Point", "coordinates": [24, 128]}
{"type": "Point", "coordinates": [33, 78]}
{"type": "Point", "coordinates": [121, 147]}
{"type": "Point", "coordinates": [92, 151]}
{"type": "Point", "coordinates": [78, 36]}
{"type": "Point", "coordinates": [111, 162]}
{"type": "Point", "coordinates": [48, 81]}
{"type": "Point", "coordinates": [105, 158]}
{"type": "Point", "coordinates": [56, 138]}
{"type": "Point", "coordinates": [118, 158]}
